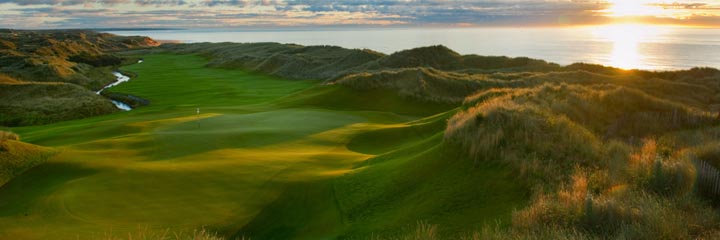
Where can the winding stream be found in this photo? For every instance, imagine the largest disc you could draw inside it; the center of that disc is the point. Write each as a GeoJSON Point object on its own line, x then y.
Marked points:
{"type": "Point", "coordinates": [120, 78]}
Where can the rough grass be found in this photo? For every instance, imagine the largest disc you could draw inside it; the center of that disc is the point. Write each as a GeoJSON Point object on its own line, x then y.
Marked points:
{"type": "Point", "coordinates": [525, 126]}
{"type": "Point", "coordinates": [8, 136]}
{"type": "Point", "coordinates": [49, 76]}
{"type": "Point", "coordinates": [145, 233]}
{"type": "Point", "coordinates": [419, 83]}
{"type": "Point", "coordinates": [17, 157]}
{"type": "Point", "coordinates": [42, 103]}
{"type": "Point", "coordinates": [4, 79]}
{"type": "Point", "coordinates": [47, 55]}
{"type": "Point", "coordinates": [329, 62]}
{"type": "Point", "coordinates": [443, 58]}
{"type": "Point", "coordinates": [283, 60]}
{"type": "Point", "coordinates": [608, 158]}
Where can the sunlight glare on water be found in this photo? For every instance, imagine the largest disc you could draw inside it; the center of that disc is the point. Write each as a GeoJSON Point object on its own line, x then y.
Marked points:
{"type": "Point", "coordinates": [626, 39]}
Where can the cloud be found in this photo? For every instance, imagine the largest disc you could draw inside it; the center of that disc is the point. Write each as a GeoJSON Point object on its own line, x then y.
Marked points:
{"type": "Point", "coordinates": [94, 2]}
{"type": "Point", "coordinates": [236, 3]}
{"type": "Point", "coordinates": [160, 2]}
{"type": "Point", "coordinates": [63, 2]}
{"type": "Point", "coordinates": [232, 13]}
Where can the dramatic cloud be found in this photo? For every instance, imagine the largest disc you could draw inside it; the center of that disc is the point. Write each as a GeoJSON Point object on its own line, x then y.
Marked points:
{"type": "Point", "coordinates": [248, 13]}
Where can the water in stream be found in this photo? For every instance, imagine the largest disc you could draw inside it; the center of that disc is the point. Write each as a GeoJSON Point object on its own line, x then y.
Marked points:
{"type": "Point", "coordinates": [120, 78]}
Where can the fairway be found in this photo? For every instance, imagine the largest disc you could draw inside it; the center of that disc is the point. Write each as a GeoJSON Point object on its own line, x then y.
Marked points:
{"type": "Point", "coordinates": [260, 160]}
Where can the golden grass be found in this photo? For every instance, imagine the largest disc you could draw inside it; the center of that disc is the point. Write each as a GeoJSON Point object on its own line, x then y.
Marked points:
{"type": "Point", "coordinates": [607, 158]}
{"type": "Point", "coordinates": [144, 233]}
{"type": "Point", "coordinates": [17, 157]}
{"type": "Point", "coordinates": [8, 136]}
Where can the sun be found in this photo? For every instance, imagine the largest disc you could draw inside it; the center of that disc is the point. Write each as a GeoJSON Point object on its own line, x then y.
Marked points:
{"type": "Point", "coordinates": [628, 8]}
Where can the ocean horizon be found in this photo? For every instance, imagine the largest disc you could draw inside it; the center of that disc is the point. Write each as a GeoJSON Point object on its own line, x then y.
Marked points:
{"type": "Point", "coordinates": [639, 47]}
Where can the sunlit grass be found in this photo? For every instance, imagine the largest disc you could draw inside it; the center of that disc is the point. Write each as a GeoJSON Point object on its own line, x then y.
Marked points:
{"type": "Point", "coordinates": [258, 143]}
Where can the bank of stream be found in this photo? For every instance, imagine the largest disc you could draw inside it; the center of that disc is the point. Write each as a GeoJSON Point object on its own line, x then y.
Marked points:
{"type": "Point", "coordinates": [120, 78]}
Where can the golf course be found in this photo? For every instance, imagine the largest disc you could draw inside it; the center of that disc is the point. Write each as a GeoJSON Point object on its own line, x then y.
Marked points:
{"type": "Point", "coordinates": [285, 141]}
{"type": "Point", "coordinates": [359, 120]}
{"type": "Point", "coordinates": [265, 158]}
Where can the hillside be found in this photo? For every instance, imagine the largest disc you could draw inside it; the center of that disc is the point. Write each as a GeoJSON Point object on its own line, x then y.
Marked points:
{"type": "Point", "coordinates": [17, 157]}
{"type": "Point", "coordinates": [442, 58]}
{"type": "Point", "coordinates": [598, 151]}
{"type": "Point", "coordinates": [24, 103]}
{"type": "Point", "coordinates": [52, 74]}
{"type": "Point", "coordinates": [69, 56]}
{"type": "Point", "coordinates": [283, 60]}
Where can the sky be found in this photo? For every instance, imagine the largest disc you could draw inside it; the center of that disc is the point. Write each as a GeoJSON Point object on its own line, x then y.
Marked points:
{"type": "Point", "coordinates": [32, 14]}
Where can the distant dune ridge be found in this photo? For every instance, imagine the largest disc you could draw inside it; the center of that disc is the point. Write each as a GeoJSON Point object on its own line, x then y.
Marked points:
{"type": "Point", "coordinates": [433, 73]}
{"type": "Point", "coordinates": [329, 62]}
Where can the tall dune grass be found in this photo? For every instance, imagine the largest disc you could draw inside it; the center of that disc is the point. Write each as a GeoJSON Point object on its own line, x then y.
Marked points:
{"type": "Point", "coordinates": [17, 157]}
{"type": "Point", "coordinates": [8, 136]}
{"type": "Point", "coordinates": [144, 233]}
{"type": "Point", "coordinates": [604, 159]}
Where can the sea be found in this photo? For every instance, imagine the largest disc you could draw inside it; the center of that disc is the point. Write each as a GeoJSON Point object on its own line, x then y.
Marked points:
{"type": "Point", "coordinates": [627, 46]}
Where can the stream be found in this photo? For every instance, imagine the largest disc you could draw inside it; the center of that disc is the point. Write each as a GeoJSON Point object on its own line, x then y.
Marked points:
{"type": "Point", "coordinates": [120, 78]}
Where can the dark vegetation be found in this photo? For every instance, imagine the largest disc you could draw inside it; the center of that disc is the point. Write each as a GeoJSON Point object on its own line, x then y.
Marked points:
{"type": "Point", "coordinates": [103, 60]}
{"type": "Point", "coordinates": [41, 103]}
{"type": "Point", "coordinates": [51, 75]}
{"type": "Point", "coordinates": [130, 100]}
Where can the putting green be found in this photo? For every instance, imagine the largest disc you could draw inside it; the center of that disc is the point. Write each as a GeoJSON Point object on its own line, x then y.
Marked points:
{"type": "Point", "coordinates": [259, 160]}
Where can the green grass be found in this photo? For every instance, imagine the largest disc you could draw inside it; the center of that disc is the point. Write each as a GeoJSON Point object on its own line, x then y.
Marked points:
{"type": "Point", "coordinates": [17, 157]}
{"type": "Point", "coordinates": [266, 158]}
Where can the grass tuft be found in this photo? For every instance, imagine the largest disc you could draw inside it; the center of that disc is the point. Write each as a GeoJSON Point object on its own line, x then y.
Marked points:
{"type": "Point", "coordinates": [9, 136]}
{"type": "Point", "coordinates": [145, 233]}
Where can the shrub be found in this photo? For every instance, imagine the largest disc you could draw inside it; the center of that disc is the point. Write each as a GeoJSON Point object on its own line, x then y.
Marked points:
{"type": "Point", "coordinates": [8, 136]}
{"type": "Point", "coordinates": [621, 213]}
{"type": "Point", "coordinates": [96, 60]}
{"type": "Point", "coordinates": [661, 173]}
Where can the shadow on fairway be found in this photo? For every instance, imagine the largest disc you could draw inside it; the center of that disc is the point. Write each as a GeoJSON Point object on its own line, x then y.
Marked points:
{"type": "Point", "coordinates": [244, 131]}
{"type": "Point", "coordinates": [18, 195]}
